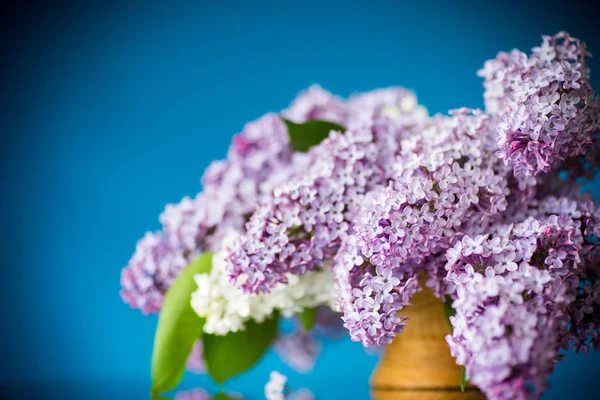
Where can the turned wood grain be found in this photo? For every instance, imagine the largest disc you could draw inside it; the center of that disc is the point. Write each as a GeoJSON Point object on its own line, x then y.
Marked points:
{"type": "Point", "coordinates": [409, 394]}
{"type": "Point", "coordinates": [420, 357]}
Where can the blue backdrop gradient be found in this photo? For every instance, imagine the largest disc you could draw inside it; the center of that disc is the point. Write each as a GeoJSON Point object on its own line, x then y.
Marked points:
{"type": "Point", "coordinates": [109, 112]}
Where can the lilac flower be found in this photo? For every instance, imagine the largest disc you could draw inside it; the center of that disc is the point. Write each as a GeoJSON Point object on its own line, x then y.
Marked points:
{"type": "Point", "coordinates": [195, 362]}
{"type": "Point", "coordinates": [545, 102]}
{"type": "Point", "coordinates": [485, 206]}
{"type": "Point", "coordinates": [193, 394]}
{"type": "Point", "coordinates": [308, 216]}
{"type": "Point", "coordinates": [299, 350]}
{"type": "Point", "coordinates": [258, 160]}
{"type": "Point", "coordinates": [328, 324]}
{"type": "Point", "coordinates": [317, 103]}
{"type": "Point", "coordinates": [511, 322]}
{"type": "Point", "coordinates": [301, 394]}
{"type": "Point", "coordinates": [377, 267]}
{"type": "Point", "coordinates": [150, 272]}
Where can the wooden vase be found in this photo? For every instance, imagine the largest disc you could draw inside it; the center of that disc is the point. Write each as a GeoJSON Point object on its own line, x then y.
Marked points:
{"type": "Point", "coordinates": [418, 365]}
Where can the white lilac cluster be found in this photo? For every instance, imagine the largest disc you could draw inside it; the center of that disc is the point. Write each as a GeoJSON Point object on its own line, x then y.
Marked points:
{"type": "Point", "coordinates": [276, 389]}
{"type": "Point", "coordinates": [227, 308]}
{"type": "Point", "coordinates": [303, 224]}
{"type": "Point", "coordinates": [485, 206]}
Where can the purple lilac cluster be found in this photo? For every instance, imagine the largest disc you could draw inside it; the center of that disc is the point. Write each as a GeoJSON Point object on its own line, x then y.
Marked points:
{"type": "Point", "coordinates": [258, 159]}
{"type": "Point", "coordinates": [316, 103]}
{"type": "Point", "coordinates": [522, 294]}
{"type": "Point", "coordinates": [305, 220]}
{"type": "Point", "coordinates": [299, 350]}
{"type": "Point", "coordinates": [150, 272]}
{"type": "Point", "coordinates": [195, 362]}
{"type": "Point", "coordinates": [485, 207]}
{"type": "Point", "coordinates": [464, 202]}
{"type": "Point", "coordinates": [399, 227]}
{"type": "Point", "coordinates": [193, 394]}
{"type": "Point", "coordinates": [545, 104]}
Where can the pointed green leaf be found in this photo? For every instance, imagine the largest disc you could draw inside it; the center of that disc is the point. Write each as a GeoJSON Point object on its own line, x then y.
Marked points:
{"type": "Point", "coordinates": [307, 318]}
{"type": "Point", "coordinates": [463, 379]}
{"type": "Point", "coordinates": [304, 136]}
{"type": "Point", "coordinates": [178, 328]}
{"type": "Point", "coordinates": [229, 355]}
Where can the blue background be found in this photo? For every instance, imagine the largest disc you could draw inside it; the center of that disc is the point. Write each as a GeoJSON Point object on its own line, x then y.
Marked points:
{"type": "Point", "coordinates": [107, 113]}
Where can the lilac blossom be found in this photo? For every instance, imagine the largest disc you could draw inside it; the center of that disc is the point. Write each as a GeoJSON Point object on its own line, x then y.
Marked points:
{"type": "Point", "coordinates": [317, 103]}
{"type": "Point", "coordinates": [486, 206]}
{"type": "Point", "coordinates": [524, 294]}
{"type": "Point", "coordinates": [150, 272]}
{"type": "Point", "coordinates": [545, 103]}
{"type": "Point", "coordinates": [401, 226]}
{"type": "Point", "coordinates": [305, 220]}
{"type": "Point", "coordinates": [195, 362]}
{"type": "Point", "coordinates": [299, 350]}
{"type": "Point", "coordinates": [193, 394]}
{"type": "Point", "coordinates": [258, 160]}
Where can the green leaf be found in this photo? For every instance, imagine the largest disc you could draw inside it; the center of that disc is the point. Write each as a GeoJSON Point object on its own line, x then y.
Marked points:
{"type": "Point", "coordinates": [463, 379]}
{"type": "Point", "coordinates": [306, 135]}
{"type": "Point", "coordinates": [222, 396]}
{"type": "Point", "coordinates": [178, 328]}
{"type": "Point", "coordinates": [229, 355]}
{"type": "Point", "coordinates": [448, 310]}
{"type": "Point", "coordinates": [307, 318]}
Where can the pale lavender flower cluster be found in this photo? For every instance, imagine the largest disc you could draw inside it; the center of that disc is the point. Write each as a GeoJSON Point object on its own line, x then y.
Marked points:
{"type": "Point", "coordinates": [195, 362]}
{"type": "Point", "coordinates": [482, 207]}
{"type": "Point", "coordinates": [193, 394]}
{"type": "Point", "coordinates": [316, 103]}
{"type": "Point", "coordinates": [150, 272]}
{"type": "Point", "coordinates": [259, 159]}
{"type": "Point", "coordinates": [545, 103]}
{"type": "Point", "coordinates": [304, 222]}
{"type": "Point", "coordinates": [299, 350]}
{"type": "Point", "coordinates": [524, 293]}
{"type": "Point", "coordinates": [463, 203]}
{"type": "Point", "coordinates": [418, 216]}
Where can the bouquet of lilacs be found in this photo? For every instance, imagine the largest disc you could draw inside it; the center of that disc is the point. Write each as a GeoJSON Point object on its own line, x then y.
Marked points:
{"type": "Point", "coordinates": [180, 271]}
{"type": "Point", "coordinates": [483, 207]}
